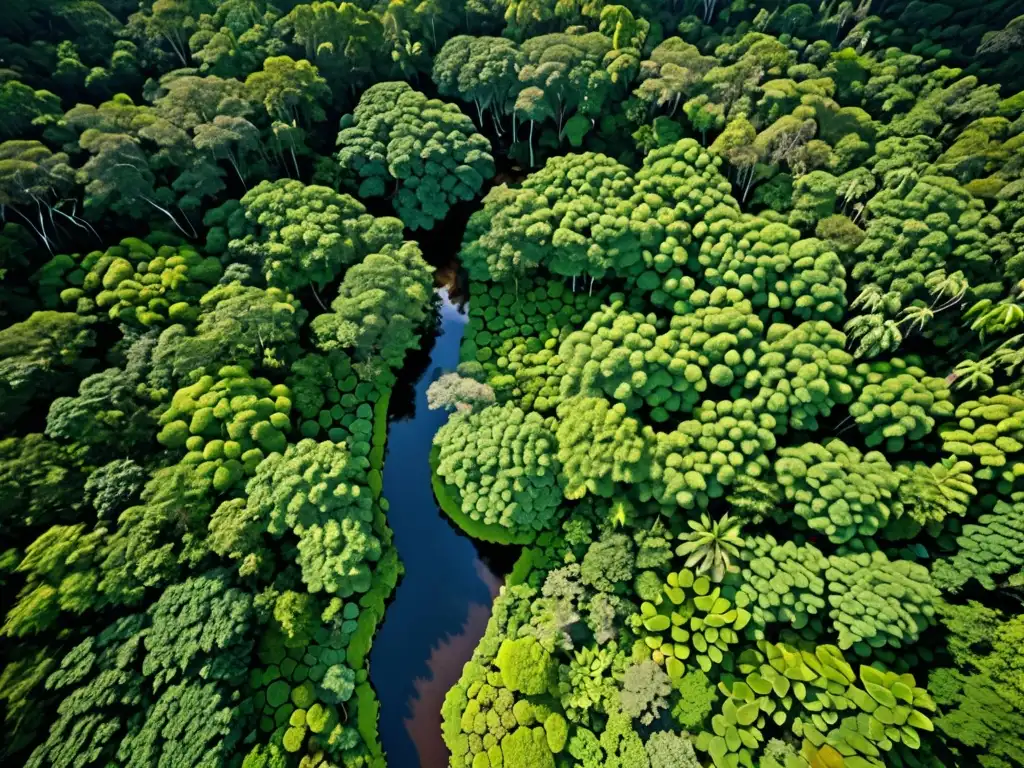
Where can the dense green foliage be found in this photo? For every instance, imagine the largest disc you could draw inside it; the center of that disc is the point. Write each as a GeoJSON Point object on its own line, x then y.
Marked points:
{"type": "Point", "coordinates": [742, 369]}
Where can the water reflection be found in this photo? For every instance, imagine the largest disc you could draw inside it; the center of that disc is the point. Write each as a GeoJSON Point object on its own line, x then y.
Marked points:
{"type": "Point", "coordinates": [440, 608]}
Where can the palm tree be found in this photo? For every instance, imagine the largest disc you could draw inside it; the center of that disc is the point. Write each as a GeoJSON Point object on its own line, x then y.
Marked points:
{"type": "Point", "coordinates": [973, 374]}
{"type": "Point", "coordinates": [917, 315]}
{"type": "Point", "coordinates": [710, 546]}
{"type": "Point", "coordinates": [875, 334]}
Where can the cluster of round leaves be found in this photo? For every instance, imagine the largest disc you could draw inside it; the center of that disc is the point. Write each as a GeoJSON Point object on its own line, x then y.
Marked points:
{"type": "Point", "coordinates": [427, 146]}
{"type": "Point", "coordinates": [877, 602]}
{"type": "Point", "coordinates": [672, 229]}
{"type": "Point", "coordinates": [691, 621]}
{"type": "Point", "coordinates": [333, 402]}
{"type": "Point", "coordinates": [814, 690]}
{"type": "Point", "coordinates": [295, 234]}
{"type": "Point", "coordinates": [769, 263]}
{"type": "Point", "coordinates": [719, 349]}
{"type": "Point", "coordinates": [989, 431]}
{"type": "Point", "coordinates": [623, 356]}
{"type": "Point", "coordinates": [705, 455]}
{"type": "Point", "coordinates": [513, 334]}
{"type": "Point", "coordinates": [785, 583]}
{"type": "Point", "coordinates": [989, 548]}
{"type": "Point", "coordinates": [228, 423]}
{"type": "Point", "coordinates": [505, 719]}
{"type": "Point", "coordinates": [295, 694]}
{"type": "Point", "coordinates": [501, 462]}
{"type": "Point", "coordinates": [897, 401]}
{"type": "Point", "coordinates": [837, 490]}
{"type": "Point", "coordinates": [133, 283]}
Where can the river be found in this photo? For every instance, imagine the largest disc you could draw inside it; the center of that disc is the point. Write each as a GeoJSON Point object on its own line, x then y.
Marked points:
{"type": "Point", "coordinates": [441, 607]}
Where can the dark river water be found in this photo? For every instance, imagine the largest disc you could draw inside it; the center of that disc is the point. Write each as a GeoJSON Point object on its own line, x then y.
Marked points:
{"type": "Point", "coordinates": [442, 604]}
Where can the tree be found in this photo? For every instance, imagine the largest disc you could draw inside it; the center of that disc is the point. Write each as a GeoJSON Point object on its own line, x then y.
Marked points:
{"type": "Point", "coordinates": [200, 629]}
{"type": "Point", "coordinates": [34, 179]}
{"type": "Point", "coordinates": [483, 70]}
{"type": "Point", "coordinates": [95, 678]}
{"type": "Point", "coordinates": [316, 491]}
{"type": "Point", "coordinates": [525, 667]}
{"type": "Point", "coordinates": [228, 424]}
{"type": "Point", "coordinates": [666, 749]}
{"type": "Point", "coordinates": [460, 393]}
{"type": "Point", "coordinates": [500, 461]}
{"type": "Point", "coordinates": [237, 324]}
{"type": "Point", "coordinates": [382, 303]}
{"type": "Point", "coordinates": [426, 147]}
{"type": "Point", "coordinates": [42, 482]}
{"type": "Point", "coordinates": [39, 356]}
{"type": "Point", "coordinates": [107, 415]}
{"type": "Point", "coordinates": [296, 234]}
{"type": "Point", "coordinates": [645, 691]}
{"type": "Point", "coordinates": [292, 93]}
{"type": "Point", "coordinates": [60, 577]}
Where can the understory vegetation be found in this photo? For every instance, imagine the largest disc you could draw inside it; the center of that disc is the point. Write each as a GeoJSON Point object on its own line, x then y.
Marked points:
{"type": "Point", "coordinates": [742, 376]}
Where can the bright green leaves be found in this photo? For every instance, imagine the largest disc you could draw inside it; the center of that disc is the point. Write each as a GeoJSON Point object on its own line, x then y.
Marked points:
{"type": "Point", "coordinates": [990, 431]}
{"type": "Point", "coordinates": [501, 460]}
{"type": "Point", "coordinates": [134, 282]}
{"type": "Point", "coordinates": [691, 622]}
{"type": "Point", "coordinates": [599, 446]}
{"type": "Point", "coordinates": [227, 424]}
{"type": "Point", "coordinates": [777, 271]}
{"type": "Point", "coordinates": [426, 146]}
{"type": "Point", "coordinates": [316, 491]}
{"type": "Point", "coordinates": [381, 306]}
{"type": "Point", "coordinates": [898, 402]}
{"type": "Point", "coordinates": [712, 546]}
{"type": "Point", "coordinates": [839, 491]}
{"type": "Point", "coordinates": [60, 569]}
{"type": "Point", "coordinates": [812, 688]}
{"type": "Point", "coordinates": [876, 602]}
{"type": "Point", "coordinates": [525, 666]}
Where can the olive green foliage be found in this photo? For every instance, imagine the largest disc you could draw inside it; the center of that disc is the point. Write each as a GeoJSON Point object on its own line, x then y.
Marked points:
{"type": "Point", "coordinates": [41, 356]}
{"type": "Point", "coordinates": [316, 492]}
{"type": "Point", "coordinates": [41, 481]}
{"type": "Point", "coordinates": [60, 570]}
{"type": "Point", "coordinates": [500, 460]}
{"type": "Point", "coordinates": [930, 494]}
{"type": "Point", "coordinates": [428, 147]}
{"type": "Point", "coordinates": [134, 282]}
{"type": "Point", "coordinates": [874, 601]}
{"type": "Point", "coordinates": [228, 424]}
{"type": "Point", "coordinates": [919, 230]}
{"type": "Point", "coordinates": [107, 412]}
{"type": "Point", "coordinates": [784, 583]}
